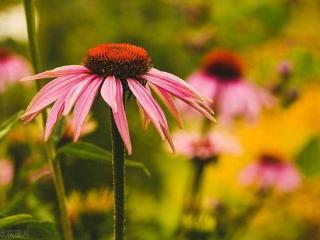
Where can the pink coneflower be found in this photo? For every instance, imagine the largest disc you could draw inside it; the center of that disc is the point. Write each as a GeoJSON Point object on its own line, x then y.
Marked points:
{"type": "Point", "coordinates": [205, 147]}
{"type": "Point", "coordinates": [6, 172]}
{"type": "Point", "coordinates": [221, 79]}
{"type": "Point", "coordinates": [12, 68]}
{"type": "Point", "coordinates": [285, 68]}
{"type": "Point", "coordinates": [270, 171]}
{"type": "Point", "coordinates": [118, 71]}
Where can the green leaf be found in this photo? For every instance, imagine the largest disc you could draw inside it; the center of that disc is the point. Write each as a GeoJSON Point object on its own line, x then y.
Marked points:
{"type": "Point", "coordinates": [39, 230]}
{"type": "Point", "coordinates": [14, 220]}
{"type": "Point", "coordinates": [308, 159]}
{"type": "Point", "coordinates": [88, 151]}
{"type": "Point", "coordinates": [9, 124]}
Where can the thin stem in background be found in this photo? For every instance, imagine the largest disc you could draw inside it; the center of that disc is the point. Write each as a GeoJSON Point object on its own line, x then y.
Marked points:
{"type": "Point", "coordinates": [199, 167]}
{"type": "Point", "coordinates": [118, 170]}
{"type": "Point", "coordinates": [49, 146]}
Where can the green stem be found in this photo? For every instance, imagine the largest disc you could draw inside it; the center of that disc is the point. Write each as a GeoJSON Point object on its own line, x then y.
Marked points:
{"type": "Point", "coordinates": [49, 146]}
{"type": "Point", "coordinates": [60, 191]}
{"type": "Point", "coordinates": [198, 166]}
{"type": "Point", "coordinates": [118, 170]}
{"type": "Point", "coordinates": [32, 36]}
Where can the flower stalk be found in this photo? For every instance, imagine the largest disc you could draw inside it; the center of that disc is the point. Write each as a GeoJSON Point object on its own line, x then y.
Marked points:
{"type": "Point", "coordinates": [32, 36]}
{"type": "Point", "coordinates": [118, 170]}
{"type": "Point", "coordinates": [199, 167]}
{"type": "Point", "coordinates": [49, 146]}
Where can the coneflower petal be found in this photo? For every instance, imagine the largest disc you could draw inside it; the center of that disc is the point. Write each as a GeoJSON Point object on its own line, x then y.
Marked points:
{"type": "Point", "coordinates": [109, 92]}
{"type": "Point", "coordinates": [152, 108]}
{"type": "Point", "coordinates": [196, 103]}
{"type": "Point", "coordinates": [83, 105]}
{"type": "Point", "coordinates": [120, 117]}
{"type": "Point", "coordinates": [74, 93]}
{"type": "Point", "coordinates": [53, 116]}
{"type": "Point", "coordinates": [203, 110]}
{"type": "Point", "coordinates": [171, 79]}
{"type": "Point", "coordinates": [145, 102]}
{"type": "Point", "coordinates": [58, 72]}
{"type": "Point", "coordinates": [145, 119]}
{"type": "Point", "coordinates": [29, 118]}
{"type": "Point", "coordinates": [51, 92]}
{"type": "Point", "coordinates": [170, 104]}
{"type": "Point", "coordinates": [173, 88]}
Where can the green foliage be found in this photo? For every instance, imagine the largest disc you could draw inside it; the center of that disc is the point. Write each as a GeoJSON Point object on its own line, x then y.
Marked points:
{"type": "Point", "coordinates": [91, 152]}
{"type": "Point", "coordinates": [9, 124]}
{"type": "Point", "coordinates": [14, 220]}
{"type": "Point", "coordinates": [24, 226]}
{"type": "Point", "coordinates": [38, 230]}
{"type": "Point", "coordinates": [309, 158]}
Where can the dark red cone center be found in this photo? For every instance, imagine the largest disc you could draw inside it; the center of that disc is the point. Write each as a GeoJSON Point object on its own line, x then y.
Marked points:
{"type": "Point", "coordinates": [223, 65]}
{"type": "Point", "coordinates": [270, 159]}
{"type": "Point", "coordinates": [121, 60]}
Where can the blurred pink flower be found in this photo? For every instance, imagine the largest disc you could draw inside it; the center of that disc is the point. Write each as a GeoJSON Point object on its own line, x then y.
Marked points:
{"type": "Point", "coordinates": [205, 147]}
{"type": "Point", "coordinates": [271, 172]}
{"type": "Point", "coordinates": [6, 172]}
{"type": "Point", "coordinates": [12, 68]}
{"type": "Point", "coordinates": [221, 79]}
{"type": "Point", "coordinates": [114, 69]}
{"type": "Point", "coordinates": [284, 68]}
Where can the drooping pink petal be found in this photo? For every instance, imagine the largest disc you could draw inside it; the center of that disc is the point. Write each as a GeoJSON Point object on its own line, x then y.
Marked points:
{"type": "Point", "coordinates": [146, 104]}
{"type": "Point", "coordinates": [74, 93]}
{"type": "Point", "coordinates": [145, 119]}
{"type": "Point", "coordinates": [201, 108]}
{"type": "Point", "coordinates": [51, 92]}
{"type": "Point", "coordinates": [206, 85]}
{"type": "Point", "coordinates": [120, 117]}
{"type": "Point", "coordinates": [29, 118]}
{"type": "Point", "coordinates": [53, 116]}
{"type": "Point", "coordinates": [109, 92]}
{"type": "Point", "coordinates": [169, 78]}
{"type": "Point", "coordinates": [151, 107]}
{"type": "Point", "coordinates": [170, 104]}
{"type": "Point", "coordinates": [171, 87]}
{"type": "Point", "coordinates": [183, 94]}
{"type": "Point", "coordinates": [58, 72]}
{"type": "Point", "coordinates": [83, 105]}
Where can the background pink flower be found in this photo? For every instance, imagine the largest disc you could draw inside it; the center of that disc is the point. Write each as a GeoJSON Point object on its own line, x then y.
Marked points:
{"type": "Point", "coordinates": [221, 79]}
{"type": "Point", "coordinates": [6, 172]}
{"type": "Point", "coordinates": [12, 68]}
{"type": "Point", "coordinates": [204, 147]}
{"type": "Point", "coordinates": [271, 172]}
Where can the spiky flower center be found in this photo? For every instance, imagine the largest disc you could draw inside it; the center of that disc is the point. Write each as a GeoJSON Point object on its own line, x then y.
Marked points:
{"type": "Point", "coordinates": [121, 60]}
{"type": "Point", "coordinates": [223, 65]}
{"type": "Point", "coordinates": [270, 159]}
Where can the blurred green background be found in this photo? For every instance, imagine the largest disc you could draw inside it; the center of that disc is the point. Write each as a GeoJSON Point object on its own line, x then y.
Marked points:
{"type": "Point", "coordinates": [176, 33]}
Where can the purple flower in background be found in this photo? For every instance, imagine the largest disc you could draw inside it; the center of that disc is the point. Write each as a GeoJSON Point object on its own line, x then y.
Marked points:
{"type": "Point", "coordinates": [6, 172]}
{"type": "Point", "coordinates": [221, 79]}
{"type": "Point", "coordinates": [195, 145]}
{"type": "Point", "coordinates": [12, 68]}
{"type": "Point", "coordinates": [270, 171]}
{"type": "Point", "coordinates": [284, 68]}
